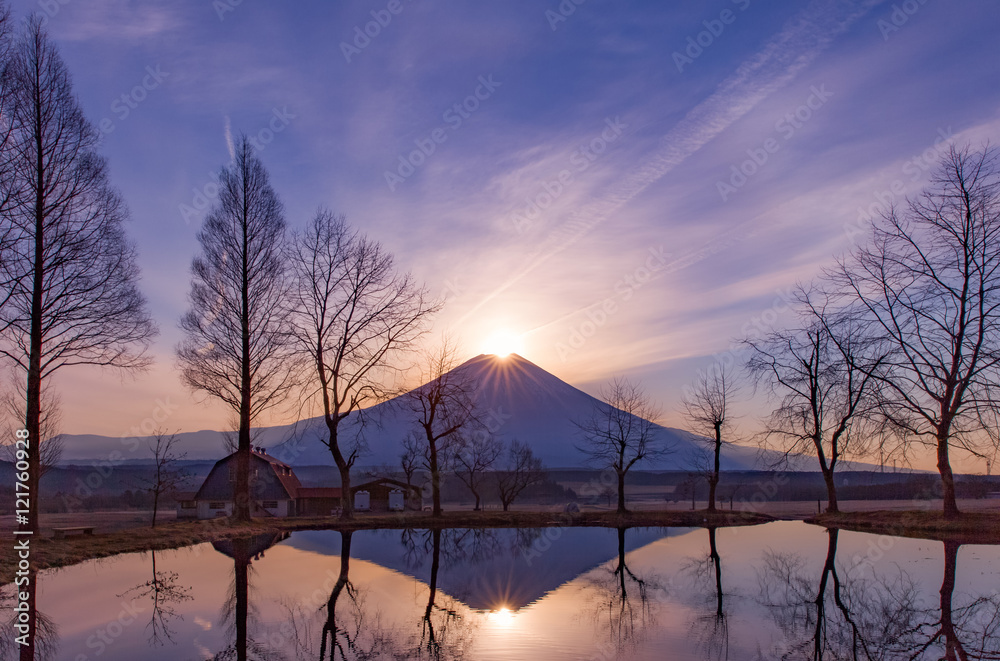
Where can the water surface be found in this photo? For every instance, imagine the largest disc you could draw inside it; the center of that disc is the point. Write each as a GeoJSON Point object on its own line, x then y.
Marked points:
{"type": "Point", "coordinates": [784, 590]}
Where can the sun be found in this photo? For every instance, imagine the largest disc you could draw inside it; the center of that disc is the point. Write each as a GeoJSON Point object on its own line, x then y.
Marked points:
{"type": "Point", "coordinates": [502, 343]}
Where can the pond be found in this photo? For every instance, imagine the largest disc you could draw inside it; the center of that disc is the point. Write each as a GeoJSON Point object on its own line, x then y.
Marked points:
{"type": "Point", "coordinates": [783, 590]}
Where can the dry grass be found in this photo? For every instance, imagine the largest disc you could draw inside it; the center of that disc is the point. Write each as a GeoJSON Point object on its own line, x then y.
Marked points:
{"type": "Point", "coordinates": [969, 528]}
{"type": "Point", "coordinates": [48, 552]}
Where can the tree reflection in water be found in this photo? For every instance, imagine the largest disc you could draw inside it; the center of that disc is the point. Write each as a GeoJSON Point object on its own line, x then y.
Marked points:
{"type": "Point", "coordinates": [42, 637]}
{"type": "Point", "coordinates": [710, 629]}
{"type": "Point", "coordinates": [164, 591]}
{"type": "Point", "coordinates": [239, 617]}
{"type": "Point", "coordinates": [864, 617]}
{"type": "Point", "coordinates": [623, 603]}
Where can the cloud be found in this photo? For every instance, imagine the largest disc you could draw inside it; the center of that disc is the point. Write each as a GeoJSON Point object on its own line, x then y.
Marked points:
{"type": "Point", "coordinates": [794, 48]}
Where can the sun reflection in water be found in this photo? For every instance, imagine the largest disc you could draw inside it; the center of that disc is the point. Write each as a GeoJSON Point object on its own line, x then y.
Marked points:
{"type": "Point", "coordinates": [501, 617]}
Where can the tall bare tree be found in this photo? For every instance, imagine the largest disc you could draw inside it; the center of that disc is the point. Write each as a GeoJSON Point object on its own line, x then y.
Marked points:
{"type": "Point", "coordinates": [443, 408]}
{"type": "Point", "coordinates": [706, 407]}
{"type": "Point", "coordinates": [822, 372]}
{"type": "Point", "coordinates": [74, 298]}
{"type": "Point", "coordinates": [620, 432]}
{"type": "Point", "coordinates": [929, 281]}
{"type": "Point", "coordinates": [475, 455]}
{"type": "Point", "coordinates": [236, 347]}
{"type": "Point", "coordinates": [521, 470]}
{"type": "Point", "coordinates": [354, 314]}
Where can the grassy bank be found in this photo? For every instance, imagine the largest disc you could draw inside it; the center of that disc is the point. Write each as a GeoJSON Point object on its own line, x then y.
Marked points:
{"type": "Point", "coordinates": [48, 552]}
{"type": "Point", "coordinates": [969, 528]}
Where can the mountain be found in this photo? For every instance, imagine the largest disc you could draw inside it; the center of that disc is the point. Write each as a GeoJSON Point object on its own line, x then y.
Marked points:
{"type": "Point", "coordinates": [518, 399]}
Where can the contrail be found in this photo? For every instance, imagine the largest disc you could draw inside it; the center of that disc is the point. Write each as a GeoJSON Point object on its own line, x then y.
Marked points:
{"type": "Point", "coordinates": [795, 47]}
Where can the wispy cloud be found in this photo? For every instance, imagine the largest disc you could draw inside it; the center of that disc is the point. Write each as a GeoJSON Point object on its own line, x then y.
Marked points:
{"type": "Point", "coordinates": [793, 49]}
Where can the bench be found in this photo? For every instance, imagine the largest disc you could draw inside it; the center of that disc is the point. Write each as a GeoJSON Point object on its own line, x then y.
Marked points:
{"type": "Point", "coordinates": [59, 533]}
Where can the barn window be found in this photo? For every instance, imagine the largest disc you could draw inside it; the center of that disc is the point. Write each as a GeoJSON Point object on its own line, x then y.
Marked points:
{"type": "Point", "coordinates": [216, 506]}
{"type": "Point", "coordinates": [188, 505]}
{"type": "Point", "coordinates": [270, 504]}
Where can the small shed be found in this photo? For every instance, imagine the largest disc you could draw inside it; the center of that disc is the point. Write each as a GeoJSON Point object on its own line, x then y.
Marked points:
{"type": "Point", "coordinates": [318, 501]}
{"type": "Point", "coordinates": [388, 495]}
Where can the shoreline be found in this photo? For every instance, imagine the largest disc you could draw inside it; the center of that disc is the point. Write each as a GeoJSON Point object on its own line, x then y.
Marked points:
{"type": "Point", "coordinates": [969, 528]}
{"type": "Point", "coordinates": [49, 553]}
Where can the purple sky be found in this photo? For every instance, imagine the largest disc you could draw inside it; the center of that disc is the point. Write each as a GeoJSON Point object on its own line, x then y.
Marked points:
{"type": "Point", "coordinates": [584, 202]}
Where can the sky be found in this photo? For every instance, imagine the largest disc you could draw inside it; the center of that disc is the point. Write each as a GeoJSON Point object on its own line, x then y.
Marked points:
{"type": "Point", "coordinates": [612, 187]}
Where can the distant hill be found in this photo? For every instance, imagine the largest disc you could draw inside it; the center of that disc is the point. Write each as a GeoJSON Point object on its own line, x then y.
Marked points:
{"type": "Point", "coordinates": [519, 400]}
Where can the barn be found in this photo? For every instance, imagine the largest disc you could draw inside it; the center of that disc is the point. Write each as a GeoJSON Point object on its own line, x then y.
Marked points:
{"type": "Point", "coordinates": [273, 487]}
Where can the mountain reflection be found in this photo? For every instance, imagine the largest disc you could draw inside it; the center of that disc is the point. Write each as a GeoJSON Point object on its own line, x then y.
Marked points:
{"type": "Point", "coordinates": [783, 591]}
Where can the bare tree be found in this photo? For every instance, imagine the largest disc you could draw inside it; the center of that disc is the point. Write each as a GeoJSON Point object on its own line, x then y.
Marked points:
{"type": "Point", "coordinates": [706, 407]}
{"type": "Point", "coordinates": [522, 470]}
{"type": "Point", "coordinates": [620, 432]}
{"type": "Point", "coordinates": [929, 281]}
{"type": "Point", "coordinates": [411, 458]}
{"type": "Point", "coordinates": [166, 477]}
{"type": "Point", "coordinates": [442, 408]}
{"type": "Point", "coordinates": [822, 372]}
{"type": "Point", "coordinates": [476, 453]}
{"type": "Point", "coordinates": [164, 591]}
{"type": "Point", "coordinates": [354, 314]}
{"type": "Point", "coordinates": [72, 270]}
{"type": "Point", "coordinates": [235, 347]}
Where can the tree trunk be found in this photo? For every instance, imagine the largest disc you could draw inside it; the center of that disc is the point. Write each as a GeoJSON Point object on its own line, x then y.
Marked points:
{"type": "Point", "coordinates": [621, 493]}
{"type": "Point", "coordinates": [156, 502]}
{"type": "Point", "coordinates": [33, 405]}
{"type": "Point", "coordinates": [435, 478]}
{"type": "Point", "coordinates": [713, 553]}
{"type": "Point", "coordinates": [477, 508]}
{"type": "Point", "coordinates": [241, 586]}
{"type": "Point", "coordinates": [831, 492]}
{"type": "Point", "coordinates": [953, 646]}
{"type": "Point", "coordinates": [241, 499]}
{"type": "Point", "coordinates": [713, 480]}
{"type": "Point", "coordinates": [947, 479]}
